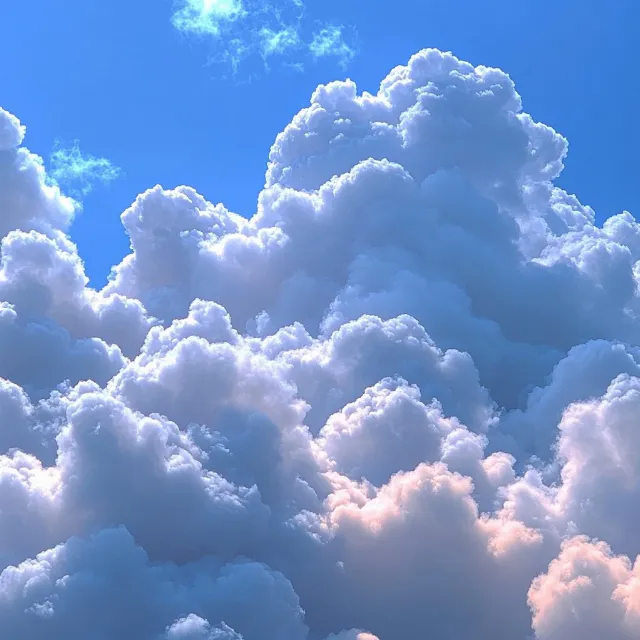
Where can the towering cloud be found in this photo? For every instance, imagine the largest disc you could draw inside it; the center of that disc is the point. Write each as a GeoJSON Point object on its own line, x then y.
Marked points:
{"type": "Point", "coordinates": [400, 401]}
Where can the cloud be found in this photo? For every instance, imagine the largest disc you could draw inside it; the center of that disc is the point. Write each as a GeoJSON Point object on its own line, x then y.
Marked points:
{"type": "Point", "coordinates": [242, 30]}
{"type": "Point", "coordinates": [77, 172]}
{"type": "Point", "coordinates": [207, 17]}
{"type": "Point", "coordinates": [193, 627]}
{"type": "Point", "coordinates": [587, 593]}
{"type": "Point", "coordinates": [88, 585]}
{"type": "Point", "coordinates": [278, 42]}
{"type": "Point", "coordinates": [330, 42]}
{"type": "Point", "coordinates": [11, 131]}
{"type": "Point", "coordinates": [406, 389]}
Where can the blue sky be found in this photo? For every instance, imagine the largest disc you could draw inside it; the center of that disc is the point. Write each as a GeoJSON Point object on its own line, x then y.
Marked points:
{"type": "Point", "coordinates": [121, 81]}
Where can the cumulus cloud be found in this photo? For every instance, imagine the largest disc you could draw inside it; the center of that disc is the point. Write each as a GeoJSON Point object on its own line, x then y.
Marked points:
{"type": "Point", "coordinates": [85, 587]}
{"type": "Point", "coordinates": [79, 172]}
{"type": "Point", "coordinates": [588, 592]}
{"type": "Point", "coordinates": [400, 401]}
{"type": "Point", "coordinates": [11, 131]}
{"type": "Point", "coordinates": [244, 29]}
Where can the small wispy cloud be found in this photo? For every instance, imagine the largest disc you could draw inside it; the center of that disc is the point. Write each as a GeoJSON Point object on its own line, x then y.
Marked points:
{"type": "Point", "coordinates": [78, 173]}
{"type": "Point", "coordinates": [278, 42]}
{"type": "Point", "coordinates": [207, 17]}
{"type": "Point", "coordinates": [330, 42]}
{"type": "Point", "coordinates": [242, 29]}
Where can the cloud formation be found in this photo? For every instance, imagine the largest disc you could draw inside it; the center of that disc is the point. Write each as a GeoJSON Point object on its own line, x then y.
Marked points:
{"type": "Point", "coordinates": [330, 42]}
{"type": "Point", "coordinates": [400, 401]}
{"type": "Point", "coordinates": [207, 17]}
{"type": "Point", "coordinates": [245, 29]}
{"type": "Point", "coordinates": [78, 172]}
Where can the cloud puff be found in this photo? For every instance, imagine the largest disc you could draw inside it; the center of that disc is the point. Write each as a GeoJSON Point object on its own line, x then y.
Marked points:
{"type": "Point", "coordinates": [85, 587]}
{"type": "Point", "coordinates": [11, 131]}
{"type": "Point", "coordinates": [587, 593]}
{"type": "Point", "coordinates": [244, 29]}
{"type": "Point", "coordinates": [399, 401]}
{"type": "Point", "coordinates": [77, 173]}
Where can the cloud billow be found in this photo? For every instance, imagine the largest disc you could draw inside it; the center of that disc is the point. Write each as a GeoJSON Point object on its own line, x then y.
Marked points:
{"type": "Point", "coordinates": [399, 401]}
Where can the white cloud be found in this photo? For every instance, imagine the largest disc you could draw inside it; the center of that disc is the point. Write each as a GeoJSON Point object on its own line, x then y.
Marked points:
{"type": "Point", "coordinates": [11, 131]}
{"type": "Point", "coordinates": [330, 42]}
{"type": "Point", "coordinates": [278, 42]}
{"type": "Point", "coordinates": [193, 627]}
{"type": "Point", "coordinates": [77, 173]}
{"type": "Point", "coordinates": [587, 593]}
{"type": "Point", "coordinates": [207, 17]}
{"type": "Point", "coordinates": [319, 422]}
{"type": "Point", "coordinates": [242, 29]}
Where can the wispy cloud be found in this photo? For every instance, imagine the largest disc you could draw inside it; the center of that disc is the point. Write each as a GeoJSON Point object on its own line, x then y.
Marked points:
{"type": "Point", "coordinates": [207, 17]}
{"type": "Point", "coordinates": [278, 42]}
{"type": "Point", "coordinates": [78, 172]}
{"type": "Point", "coordinates": [330, 42]}
{"type": "Point", "coordinates": [245, 29]}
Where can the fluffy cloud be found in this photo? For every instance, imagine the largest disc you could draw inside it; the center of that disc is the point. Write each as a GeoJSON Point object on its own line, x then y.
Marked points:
{"type": "Point", "coordinates": [86, 587]}
{"type": "Point", "coordinates": [587, 593]}
{"type": "Point", "coordinates": [11, 131]}
{"type": "Point", "coordinates": [399, 401]}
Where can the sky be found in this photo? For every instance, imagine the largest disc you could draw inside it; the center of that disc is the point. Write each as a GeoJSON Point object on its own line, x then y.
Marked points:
{"type": "Point", "coordinates": [155, 100]}
{"type": "Point", "coordinates": [319, 321]}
